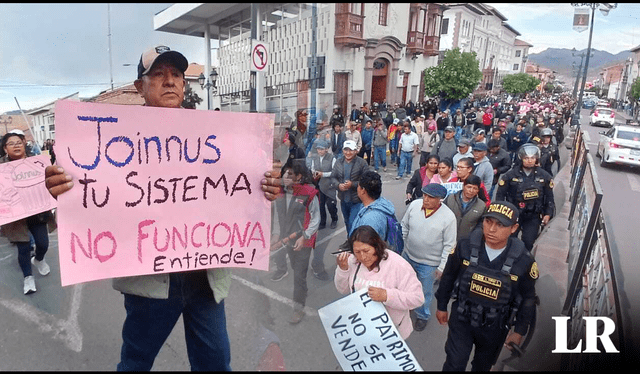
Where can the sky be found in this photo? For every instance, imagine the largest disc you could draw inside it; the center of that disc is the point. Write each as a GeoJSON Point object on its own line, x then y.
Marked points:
{"type": "Point", "coordinates": [49, 51]}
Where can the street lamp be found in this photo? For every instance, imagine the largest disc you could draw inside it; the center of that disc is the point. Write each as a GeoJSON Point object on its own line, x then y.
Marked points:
{"type": "Point", "coordinates": [209, 85]}
{"type": "Point", "coordinates": [604, 8]}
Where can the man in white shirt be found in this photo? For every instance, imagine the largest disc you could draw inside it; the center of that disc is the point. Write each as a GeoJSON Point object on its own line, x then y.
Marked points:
{"type": "Point", "coordinates": [408, 147]}
{"type": "Point", "coordinates": [353, 134]}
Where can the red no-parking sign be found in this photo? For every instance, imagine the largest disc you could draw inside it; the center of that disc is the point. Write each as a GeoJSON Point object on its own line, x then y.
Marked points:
{"type": "Point", "coordinates": [259, 55]}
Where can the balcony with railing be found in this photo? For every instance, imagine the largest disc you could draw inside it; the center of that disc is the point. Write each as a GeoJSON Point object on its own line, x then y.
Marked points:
{"type": "Point", "coordinates": [431, 45]}
{"type": "Point", "coordinates": [415, 42]}
{"type": "Point", "coordinates": [349, 25]}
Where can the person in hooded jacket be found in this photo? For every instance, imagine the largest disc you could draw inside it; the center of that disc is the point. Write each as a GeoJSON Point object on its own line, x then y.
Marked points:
{"type": "Point", "coordinates": [375, 208]}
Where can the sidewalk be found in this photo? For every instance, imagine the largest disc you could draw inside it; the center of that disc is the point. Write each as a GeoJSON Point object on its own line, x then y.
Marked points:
{"type": "Point", "coordinates": [550, 250]}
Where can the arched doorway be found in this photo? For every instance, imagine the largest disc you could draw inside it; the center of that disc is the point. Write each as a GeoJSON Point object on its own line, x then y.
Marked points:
{"type": "Point", "coordinates": [379, 80]}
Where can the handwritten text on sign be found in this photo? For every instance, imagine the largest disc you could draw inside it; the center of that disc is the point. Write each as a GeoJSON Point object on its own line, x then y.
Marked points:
{"type": "Point", "coordinates": [363, 336]}
{"type": "Point", "coordinates": [161, 190]}
{"type": "Point", "coordinates": [22, 189]}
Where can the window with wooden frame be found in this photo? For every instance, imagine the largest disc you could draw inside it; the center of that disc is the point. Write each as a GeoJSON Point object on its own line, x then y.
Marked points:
{"type": "Point", "coordinates": [382, 16]}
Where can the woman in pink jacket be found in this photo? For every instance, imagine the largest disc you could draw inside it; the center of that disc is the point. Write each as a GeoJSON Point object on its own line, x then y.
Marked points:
{"type": "Point", "coordinates": [390, 278]}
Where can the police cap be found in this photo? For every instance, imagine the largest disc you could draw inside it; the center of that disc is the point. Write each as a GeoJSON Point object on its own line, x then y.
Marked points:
{"type": "Point", "coordinates": [503, 211]}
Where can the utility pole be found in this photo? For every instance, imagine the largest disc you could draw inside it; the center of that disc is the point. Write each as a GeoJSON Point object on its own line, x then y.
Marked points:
{"type": "Point", "coordinates": [605, 10]}
{"type": "Point", "coordinates": [109, 36]}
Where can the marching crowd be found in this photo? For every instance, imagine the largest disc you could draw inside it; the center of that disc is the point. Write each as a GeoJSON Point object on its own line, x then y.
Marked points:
{"type": "Point", "coordinates": [484, 178]}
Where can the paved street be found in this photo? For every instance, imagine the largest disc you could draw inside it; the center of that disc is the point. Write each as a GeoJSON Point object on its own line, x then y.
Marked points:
{"type": "Point", "coordinates": [78, 327]}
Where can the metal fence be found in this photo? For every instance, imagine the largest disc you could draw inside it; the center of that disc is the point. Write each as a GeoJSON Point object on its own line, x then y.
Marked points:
{"type": "Point", "coordinates": [592, 287]}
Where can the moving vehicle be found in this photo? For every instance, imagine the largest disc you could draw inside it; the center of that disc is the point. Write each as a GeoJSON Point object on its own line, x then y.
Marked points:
{"type": "Point", "coordinates": [588, 103]}
{"type": "Point", "coordinates": [602, 116]}
{"type": "Point", "coordinates": [620, 145]}
{"type": "Point", "coordinates": [603, 102]}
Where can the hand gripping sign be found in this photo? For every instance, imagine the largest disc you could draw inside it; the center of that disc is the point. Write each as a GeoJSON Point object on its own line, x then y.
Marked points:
{"type": "Point", "coordinates": [161, 190]}
{"type": "Point", "coordinates": [363, 336]}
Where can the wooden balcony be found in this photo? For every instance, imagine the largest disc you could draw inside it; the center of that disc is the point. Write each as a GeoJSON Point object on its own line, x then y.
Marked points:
{"type": "Point", "coordinates": [431, 45]}
{"type": "Point", "coordinates": [415, 42]}
{"type": "Point", "coordinates": [349, 30]}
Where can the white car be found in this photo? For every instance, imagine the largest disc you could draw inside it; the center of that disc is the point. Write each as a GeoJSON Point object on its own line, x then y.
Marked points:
{"type": "Point", "coordinates": [603, 103]}
{"type": "Point", "coordinates": [602, 116]}
{"type": "Point", "coordinates": [620, 145]}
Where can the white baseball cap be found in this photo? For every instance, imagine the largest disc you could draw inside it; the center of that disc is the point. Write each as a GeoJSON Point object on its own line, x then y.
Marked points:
{"type": "Point", "coordinates": [350, 144]}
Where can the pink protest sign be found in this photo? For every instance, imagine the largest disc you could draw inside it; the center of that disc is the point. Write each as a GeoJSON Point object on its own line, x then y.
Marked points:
{"type": "Point", "coordinates": [22, 189]}
{"type": "Point", "coordinates": [161, 190]}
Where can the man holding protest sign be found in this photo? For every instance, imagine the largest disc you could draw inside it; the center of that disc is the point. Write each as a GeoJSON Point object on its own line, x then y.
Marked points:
{"type": "Point", "coordinates": [155, 302]}
{"type": "Point", "coordinates": [493, 277]}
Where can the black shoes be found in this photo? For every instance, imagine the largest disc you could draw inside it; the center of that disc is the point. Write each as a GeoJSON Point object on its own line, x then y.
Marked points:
{"type": "Point", "coordinates": [420, 324]}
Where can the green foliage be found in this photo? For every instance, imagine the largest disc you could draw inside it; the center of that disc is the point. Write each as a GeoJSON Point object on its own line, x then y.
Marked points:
{"type": "Point", "coordinates": [520, 83]}
{"type": "Point", "coordinates": [634, 92]}
{"type": "Point", "coordinates": [455, 78]}
{"type": "Point", "coordinates": [191, 99]}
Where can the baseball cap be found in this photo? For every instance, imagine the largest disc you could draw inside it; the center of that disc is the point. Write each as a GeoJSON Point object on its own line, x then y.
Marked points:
{"type": "Point", "coordinates": [464, 142]}
{"type": "Point", "coordinates": [396, 120]}
{"type": "Point", "coordinates": [350, 144]}
{"type": "Point", "coordinates": [322, 144]}
{"type": "Point", "coordinates": [435, 190]}
{"type": "Point", "coordinates": [17, 132]}
{"type": "Point", "coordinates": [479, 146]}
{"type": "Point", "coordinates": [161, 53]}
{"type": "Point", "coordinates": [479, 131]}
{"type": "Point", "coordinates": [449, 128]}
{"type": "Point", "coordinates": [503, 211]}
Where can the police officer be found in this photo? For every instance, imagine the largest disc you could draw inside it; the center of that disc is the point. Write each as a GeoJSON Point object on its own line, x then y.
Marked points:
{"type": "Point", "coordinates": [336, 117]}
{"type": "Point", "coordinates": [530, 188]}
{"type": "Point", "coordinates": [491, 277]}
{"type": "Point", "coordinates": [549, 153]}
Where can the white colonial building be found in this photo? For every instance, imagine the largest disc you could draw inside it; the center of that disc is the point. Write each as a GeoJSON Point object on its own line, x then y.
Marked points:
{"type": "Point", "coordinates": [480, 28]}
{"type": "Point", "coordinates": [318, 54]}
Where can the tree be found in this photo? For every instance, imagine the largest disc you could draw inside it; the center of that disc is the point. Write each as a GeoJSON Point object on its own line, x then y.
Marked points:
{"type": "Point", "coordinates": [191, 99]}
{"type": "Point", "coordinates": [455, 78]}
{"type": "Point", "coordinates": [520, 83]}
{"type": "Point", "coordinates": [634, 92]}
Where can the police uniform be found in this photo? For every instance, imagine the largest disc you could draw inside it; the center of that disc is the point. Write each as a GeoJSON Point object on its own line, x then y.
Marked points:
{"type": "Point", "coordinates": [490, 296]}
{"type": "Point", "coordinates": [532, 194]}
{"type": "Point", "coordinates": [548, 156]}
{"type": "Point", "coordinates": [336, 118]}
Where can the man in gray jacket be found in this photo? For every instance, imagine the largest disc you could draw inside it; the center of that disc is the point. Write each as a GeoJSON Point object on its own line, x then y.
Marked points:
{"type": "Point", "coordinates": [482, 166]}
{"type": "Point", "coordinates": [345, 176]}
{"type": "Point", "coordinates": [467, 206]}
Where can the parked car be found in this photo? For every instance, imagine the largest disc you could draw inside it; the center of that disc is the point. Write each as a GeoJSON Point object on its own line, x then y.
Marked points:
{"type": "Point", "coordinates": [620, 145]}
{"type": "Point", "coordinates": [588, 103]}
{"type": "Point", "coordinates": [602, 116]}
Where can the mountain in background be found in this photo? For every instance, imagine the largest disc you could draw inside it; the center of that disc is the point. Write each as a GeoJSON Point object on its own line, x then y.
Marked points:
{"type": "Point", "coordinates": [560, 59]}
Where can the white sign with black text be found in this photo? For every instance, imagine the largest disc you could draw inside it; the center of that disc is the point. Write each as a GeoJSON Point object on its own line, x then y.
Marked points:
{"type": "Point", "coordinates": [363, 336]}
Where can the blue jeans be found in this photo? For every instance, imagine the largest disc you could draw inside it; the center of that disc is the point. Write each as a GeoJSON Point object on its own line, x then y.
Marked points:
{"type": "Point", "coordinates": [349, 212]}
{"type": "Point", "coordinates": [426, 275]}
{"type": "Point", "coordinates": [380, 155]}
{"type": "Point", "coordinates": [406, 159]}
{"type": "Point", "coordinates": [393, 150]}
{"type": "Point", "coordinates": [150, 321]}
{"type": "Point", "coordinates": [40, 235]}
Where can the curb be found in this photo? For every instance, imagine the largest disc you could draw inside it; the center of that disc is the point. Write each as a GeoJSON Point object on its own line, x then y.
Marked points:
{"type": "Point", "coordinates": [550, 250]}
